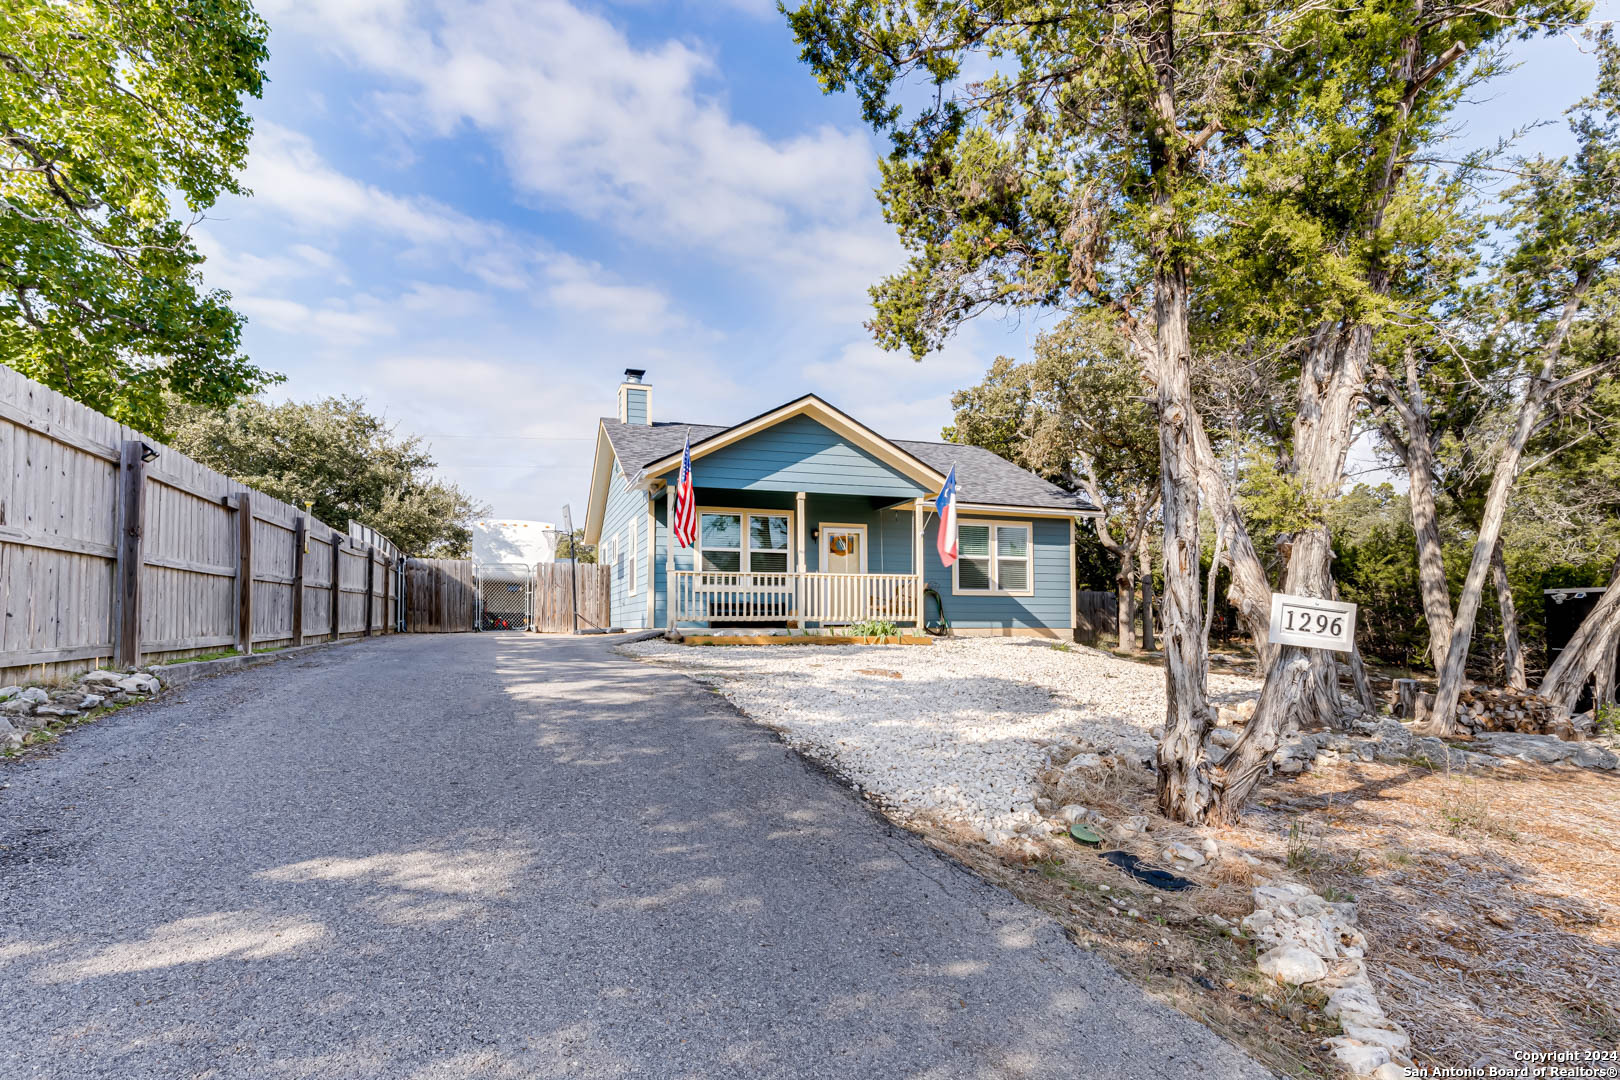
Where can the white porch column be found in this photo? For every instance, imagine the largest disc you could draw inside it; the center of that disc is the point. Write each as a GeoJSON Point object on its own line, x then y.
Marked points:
{"type": "Point", "coordinates": [799, 565]}
{"type": "Point", "coordinates": [670, 592]}
{"type": "Point", "coordinates": [917, 561]}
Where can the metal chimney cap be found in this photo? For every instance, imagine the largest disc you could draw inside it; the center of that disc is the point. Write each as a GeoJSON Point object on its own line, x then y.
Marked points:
{"type": "Point", "coordinates": [632, 374]}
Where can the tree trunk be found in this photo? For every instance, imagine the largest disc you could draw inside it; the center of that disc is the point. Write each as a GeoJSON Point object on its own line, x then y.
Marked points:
{"type": "Point", "coordinates": [1418, 453]}
{"type": "Point", "coordinates": [1444, 719]}
{"type": "Point", "coordinates": [1244, 764]}
{"type": "Point", "coordinates": [1125, 591]}
{"type": "Point", "coordinates": [1148, 643]}
{"type": "Point", "coordinates": [1358, 675]}
{"type": "Point", "coordinates": [1209, 591]}
{"type": "Point", "coordinates": [1590, 646]}
{"type": "Point", "coordinates": [1513, 654]}
{"type": "Point", "coordinates": [1603, 680]}
{"type": "Point", "coordinates": [1249, 591]}
{"type": "Point", "coordinates": [1184, 782]}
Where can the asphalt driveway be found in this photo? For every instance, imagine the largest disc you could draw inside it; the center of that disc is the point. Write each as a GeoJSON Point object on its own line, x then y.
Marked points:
{"type": "Point", "coordinates": [504, 856]}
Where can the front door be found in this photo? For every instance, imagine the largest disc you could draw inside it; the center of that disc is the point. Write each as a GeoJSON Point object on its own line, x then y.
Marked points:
{"type": "Point", "coordinates": [843, 549]}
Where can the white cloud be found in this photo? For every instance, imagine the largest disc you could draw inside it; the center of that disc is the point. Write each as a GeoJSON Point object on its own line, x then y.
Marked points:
{"type": "Point", "coordinates": [590, 122]}
{"type": "Point", "coordinates": [331, 326]}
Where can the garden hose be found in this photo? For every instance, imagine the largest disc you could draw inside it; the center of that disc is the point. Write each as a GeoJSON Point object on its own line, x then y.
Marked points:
{"type": "Point", "coordinates": [942, 627]}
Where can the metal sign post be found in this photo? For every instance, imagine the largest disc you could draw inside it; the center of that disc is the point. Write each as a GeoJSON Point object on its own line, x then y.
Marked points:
{"type": "Point", "coordinates": [1312, 623]}
{"type": "Point", "coordinates": [573, 563]}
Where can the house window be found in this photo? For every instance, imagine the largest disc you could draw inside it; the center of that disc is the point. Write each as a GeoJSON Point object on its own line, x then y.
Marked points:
{"type": "Point", "coordinates": [768, 543]}
{"type": "Point", "coordinates": [735, 541]}
{"type": "Point", "coordinates": [993, 557]}
{"type": "Point", "coordinates": [635, 563]}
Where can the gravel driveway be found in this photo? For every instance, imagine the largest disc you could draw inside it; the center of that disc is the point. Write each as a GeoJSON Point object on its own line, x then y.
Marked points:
{"type": "Point", "coordinates": [502, 857]}
{"type": "Point", "coordinates": [958, 728]}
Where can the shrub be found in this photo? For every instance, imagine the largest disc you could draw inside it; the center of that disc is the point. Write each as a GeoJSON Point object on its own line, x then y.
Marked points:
{"type": "Point", "coordinates": [875, 628]}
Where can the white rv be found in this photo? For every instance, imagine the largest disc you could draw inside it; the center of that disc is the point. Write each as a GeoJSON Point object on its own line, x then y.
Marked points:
{"type": "Point", "coordinates": [506, 540]}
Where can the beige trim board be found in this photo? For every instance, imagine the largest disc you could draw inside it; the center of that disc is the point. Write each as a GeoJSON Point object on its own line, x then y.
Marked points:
{"type": "Point", "coordinates": [826, 414]}
{"type": "Point", "coordinates": [1064, 633]}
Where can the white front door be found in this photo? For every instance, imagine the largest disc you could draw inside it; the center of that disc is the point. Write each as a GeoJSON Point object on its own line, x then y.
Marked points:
{"type": "Point", "coordinates": [843, 549]}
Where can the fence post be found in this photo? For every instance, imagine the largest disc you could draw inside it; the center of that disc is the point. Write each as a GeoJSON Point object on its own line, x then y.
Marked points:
{"type": "Point", "coordinates": [388, 595]}
{"type": "Point", "coordinates": [371, 583]}
{"type": "Point", "coordinates": [131, 530]}
{"type": "Point", "coordinates": [244, 573]}
{"type": "Point", "coordinates": [337, 585]}
{"type": "Point", "coordinates": [300, 541]}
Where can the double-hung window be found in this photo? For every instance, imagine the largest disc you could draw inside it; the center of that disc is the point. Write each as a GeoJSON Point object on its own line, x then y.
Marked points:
{"type": "Point", "coordinates": [635, 553]}
{"type": "Point", "coordinates": [743, 541]}
{"type": "Point", "coordinates": [993, 557]}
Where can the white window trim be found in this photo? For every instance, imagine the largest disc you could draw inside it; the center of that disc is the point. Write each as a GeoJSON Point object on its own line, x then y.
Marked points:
{"type": "Point", "coordinates": [840, 526]}
{"type": "Point", "coordinates": [742, 558]}
{"type": "Point", "coordinates": [631, 589]}
{"type": "Point", "coordinates": [995, 588]}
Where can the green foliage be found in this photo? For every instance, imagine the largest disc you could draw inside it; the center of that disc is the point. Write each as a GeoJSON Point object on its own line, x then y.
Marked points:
{"type": "Point", "coordinates": [338, 458]}
{"type": "Point", "coordinates": [110, 111]}
{"type": "Point", "coordinates": [1606, 720]}
{"type": "Point", "coordinates": [874, 628]}
{"type": "Point", "coordinates": [1075, 413]}
{"type": "Point", "coordinates": [567, 546]}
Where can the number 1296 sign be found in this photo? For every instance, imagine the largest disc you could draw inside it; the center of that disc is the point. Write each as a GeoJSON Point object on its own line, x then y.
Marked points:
{"type": "Point", "coordinates": [1312, 623]}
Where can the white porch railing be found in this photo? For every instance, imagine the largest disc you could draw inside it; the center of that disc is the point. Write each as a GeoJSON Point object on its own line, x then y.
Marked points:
{"type": "Point", "coordinates": [829, 599]}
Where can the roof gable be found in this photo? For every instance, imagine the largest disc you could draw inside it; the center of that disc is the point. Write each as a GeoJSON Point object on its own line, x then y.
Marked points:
{"type": "Point", "coordinates": [801, 453]}
{"type": "Point", "coordinates": [900, 468]}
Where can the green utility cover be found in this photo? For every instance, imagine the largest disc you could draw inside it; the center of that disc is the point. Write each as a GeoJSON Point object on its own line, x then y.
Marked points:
{"type": "Point", "coordinates": [1084, 835]}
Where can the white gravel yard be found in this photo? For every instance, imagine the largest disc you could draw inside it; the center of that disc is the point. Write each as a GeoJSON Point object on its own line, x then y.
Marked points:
{"type": "Point", "coordinates": [961, 733]}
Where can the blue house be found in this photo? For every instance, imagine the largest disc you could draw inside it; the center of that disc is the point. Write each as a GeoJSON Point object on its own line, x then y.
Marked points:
{"type": "Point", "coordinates": [808, 518]}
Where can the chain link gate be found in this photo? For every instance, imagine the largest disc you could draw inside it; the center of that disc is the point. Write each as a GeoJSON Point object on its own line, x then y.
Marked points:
{"type": "Point", "coordinates": [505, 596]}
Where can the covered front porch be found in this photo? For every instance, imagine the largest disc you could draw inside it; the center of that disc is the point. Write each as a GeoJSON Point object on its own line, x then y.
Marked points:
{"type": "Point", "coordinates": [794, 559]}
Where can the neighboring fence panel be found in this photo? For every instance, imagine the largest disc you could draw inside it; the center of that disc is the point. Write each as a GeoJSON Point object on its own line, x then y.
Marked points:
{"type": "Point", "coordinates": [105, 556]}
{"type": "Point", "coordinates": [554, 588]}
{"type": "Point", "coordinates": [1098, 613]}
{"type": "Point", "coordinates": [440, 596]}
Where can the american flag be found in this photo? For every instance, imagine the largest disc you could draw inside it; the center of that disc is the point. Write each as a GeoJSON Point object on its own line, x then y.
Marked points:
{"type": "Point", "coordinates": [945, 507]}
{"type": "Point", "coordinates": [686, 500]}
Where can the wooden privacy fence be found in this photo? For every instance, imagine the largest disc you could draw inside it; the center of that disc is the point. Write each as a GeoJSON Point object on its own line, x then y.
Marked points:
{"type": "Point", "coordinates": [440, 596]}
{"type": "Point", "coordinates": [115, 547]}
{"type": "Point", "coordinates": [554, 588]}
{"type": "Point", "coordinates": [1096, 613]}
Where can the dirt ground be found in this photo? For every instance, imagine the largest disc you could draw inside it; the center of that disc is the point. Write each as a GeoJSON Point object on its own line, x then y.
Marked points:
{"type": "Point", "coordinates": [1491, 901]}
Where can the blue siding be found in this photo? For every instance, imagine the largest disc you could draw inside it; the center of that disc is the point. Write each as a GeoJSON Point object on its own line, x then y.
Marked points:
{"type": "Point", "coordinates": [635, 406]}
{"type": "Point", "coordinates": [1053, 572]}
{"type": "Point", "coordinates": [626, 514]}
{"type": "Point", "coordinates": [888, 532]}
{"type": "Point", "coordinates": [801, 454]}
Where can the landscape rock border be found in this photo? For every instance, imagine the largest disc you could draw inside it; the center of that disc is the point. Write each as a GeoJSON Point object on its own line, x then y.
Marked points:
{"type": "Point", "coordinates": [1309, 941]}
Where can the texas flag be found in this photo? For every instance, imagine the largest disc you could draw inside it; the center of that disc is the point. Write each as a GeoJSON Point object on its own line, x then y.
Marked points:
{"type": "Point", "coordinates": [945, 507]}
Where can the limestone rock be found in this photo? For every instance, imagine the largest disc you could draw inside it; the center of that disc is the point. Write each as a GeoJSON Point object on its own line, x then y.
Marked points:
{"type": "Point", "coordinates": [9, 736]}
{"type": "Point", "coordinates": [9, 692]}
{"type": "Point", "coordinates": [1072, 813]}
{"type": "Point", "coordinates": [1293, 964]}
{"type": "Point", "coordinates": [35, 695]}
{"type": "Point", "coordinates": [60, 712]}
{"type": "Point", "coordinates": [1396, 1042]}
{"type": "Point", "coordinates": [1182, 857]}
{"type": "Point", "coordinates": [1546, 749]}
{"type": "Point", "coordinates": [101, 677]}
{"type": "Point", "coordinates": [1358, 1058]}
{"type": "Point", "coordinates": [139, 684]}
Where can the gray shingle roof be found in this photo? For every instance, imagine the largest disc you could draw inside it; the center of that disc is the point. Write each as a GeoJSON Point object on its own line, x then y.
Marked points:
{"type": "Point", "coordinates": [986, 477]}
{"type": "Point", "coordinates": [981, 476]}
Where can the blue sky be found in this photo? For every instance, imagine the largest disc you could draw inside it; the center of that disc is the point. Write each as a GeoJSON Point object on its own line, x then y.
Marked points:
{"type": "Point", "coordinates": [476, 215]}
